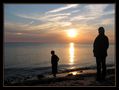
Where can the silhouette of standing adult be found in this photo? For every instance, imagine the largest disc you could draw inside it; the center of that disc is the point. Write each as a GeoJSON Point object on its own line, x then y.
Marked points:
{"type": "Point", "coordinates": [100, 47]}
{"type": "Point", "coordinates": [54, 62]}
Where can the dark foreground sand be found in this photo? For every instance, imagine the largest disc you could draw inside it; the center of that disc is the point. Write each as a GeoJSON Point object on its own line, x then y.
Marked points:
{"type": "Point", "coordinates": [69, 78]}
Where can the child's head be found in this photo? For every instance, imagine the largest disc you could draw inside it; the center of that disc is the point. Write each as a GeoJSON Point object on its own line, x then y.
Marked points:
{"type": "Point", "coordinates": [52, 52]}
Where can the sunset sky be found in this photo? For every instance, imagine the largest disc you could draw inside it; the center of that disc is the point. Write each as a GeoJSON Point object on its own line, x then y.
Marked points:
{"type": "Point", "coordinates": [54, 23]}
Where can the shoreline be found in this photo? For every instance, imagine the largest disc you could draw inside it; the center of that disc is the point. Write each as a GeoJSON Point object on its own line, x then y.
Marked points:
{"type": "Point", "coordinates": [74, 77]}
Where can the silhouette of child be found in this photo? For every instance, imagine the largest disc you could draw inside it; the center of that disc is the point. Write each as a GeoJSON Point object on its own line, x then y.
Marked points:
{"type": "Point", "coordinates": [54, 62]}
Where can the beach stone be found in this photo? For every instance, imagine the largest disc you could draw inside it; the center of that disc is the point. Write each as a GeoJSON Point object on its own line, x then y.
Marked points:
{"type": "Point", "coordinates": [70, 74]}
{"type": "Point", "coordinates": [40, 76]}
{"type": "Point", "coordinates": [81, 71]}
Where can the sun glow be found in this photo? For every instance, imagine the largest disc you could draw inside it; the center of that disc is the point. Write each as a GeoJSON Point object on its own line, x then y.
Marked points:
{"type": "Point", "coordinates": [72, 33]}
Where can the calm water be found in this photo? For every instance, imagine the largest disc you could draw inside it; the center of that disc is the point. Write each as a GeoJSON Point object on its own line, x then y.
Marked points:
{"type": "Point", "coordinates": [22, 60]}
{"type": "Point", "coordinates": [32, 55]}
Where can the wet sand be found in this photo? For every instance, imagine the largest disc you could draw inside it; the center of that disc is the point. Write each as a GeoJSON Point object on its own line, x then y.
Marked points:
{"type": "Point", "coordinates": [69, 78]}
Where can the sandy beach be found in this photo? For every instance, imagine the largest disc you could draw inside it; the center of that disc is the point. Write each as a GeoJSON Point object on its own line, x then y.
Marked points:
{"type": "Point", "coordinates": [67, 78]}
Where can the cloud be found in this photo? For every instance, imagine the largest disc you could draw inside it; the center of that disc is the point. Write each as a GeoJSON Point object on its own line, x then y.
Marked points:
{"type": "Point", "coordinates": [10, 26]}
{"type": "Point", "coordinates": [49, 21]}
{"type": "Point", "coordinates": [75, 11]}
{"type": "Point", "coordinates": [28, 29]}
{"type": "Point", "coordinates": [55, 17]}
{"type": "Point", "coordinates": [63, 8]}
{"type": "Point", "coordinates": [96, 10]}
{"type": "Point", "coordinates": [91, 13]}
{"type": "Point", "coordinates": [34, 17]}
{"type": "Point", "coordinates": [81, 17]}
{"type": "Point", "coordinates": [49, 26]}
{"type": "Point", "coordinates": [45, 17]}
{"type": "Point", "coordinates": [107, 21]}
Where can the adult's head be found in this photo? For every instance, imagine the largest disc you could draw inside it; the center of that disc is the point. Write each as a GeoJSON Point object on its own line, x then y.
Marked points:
{"type": "Point", "coordinates": [101, 30]}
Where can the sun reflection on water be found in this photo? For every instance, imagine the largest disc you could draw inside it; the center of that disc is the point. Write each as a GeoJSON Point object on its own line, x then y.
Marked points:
{"type": "Point", "coordinates": [71, 53]}
{"type": "Point", "coordinates": [74, 73]}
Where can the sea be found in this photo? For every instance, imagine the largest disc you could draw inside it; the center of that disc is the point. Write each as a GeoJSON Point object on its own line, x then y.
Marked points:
{"type": "Point", "coordinates": [29, 59]}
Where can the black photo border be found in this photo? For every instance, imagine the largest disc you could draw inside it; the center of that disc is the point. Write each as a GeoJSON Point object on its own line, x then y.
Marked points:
{"type": "Point", "coordinates": [57, 2]}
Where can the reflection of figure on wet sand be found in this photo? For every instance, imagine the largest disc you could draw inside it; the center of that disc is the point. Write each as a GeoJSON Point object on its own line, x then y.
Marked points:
{"type": "Point", "coordinates": [100, 47]}
{"type": "Point", "coordinates": [54, 62]}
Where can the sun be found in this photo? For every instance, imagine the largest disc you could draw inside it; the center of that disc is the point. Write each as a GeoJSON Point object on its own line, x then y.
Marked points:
{"type": "Point", "coordinates": [72, 33]}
